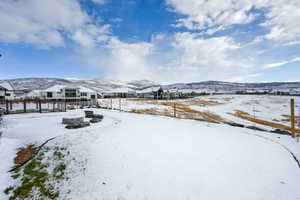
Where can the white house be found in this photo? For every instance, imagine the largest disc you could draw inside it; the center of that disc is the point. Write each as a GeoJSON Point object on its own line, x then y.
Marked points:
{"type": "Point", "coordinates": [2, 93]}
{"type": "Point", "coordinates": [69, 93]}
{"type": "Point", "coordinates": [9, 93]}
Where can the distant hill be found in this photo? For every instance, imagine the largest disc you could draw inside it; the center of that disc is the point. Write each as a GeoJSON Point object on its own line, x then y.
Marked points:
{"type": "Point", "coordinates": [30, 84]}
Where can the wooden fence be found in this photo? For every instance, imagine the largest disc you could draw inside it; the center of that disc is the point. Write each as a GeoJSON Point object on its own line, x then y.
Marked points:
{"type": "Point", "coordinates": [33, 105]}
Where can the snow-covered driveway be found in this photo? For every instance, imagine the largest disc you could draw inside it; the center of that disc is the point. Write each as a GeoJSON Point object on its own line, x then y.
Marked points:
{"type": "Point", "coordinates": [135, 157]}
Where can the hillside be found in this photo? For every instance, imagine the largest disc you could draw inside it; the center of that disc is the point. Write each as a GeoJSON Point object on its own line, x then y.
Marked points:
{"type": "Point", "coordinates": [30, 84]}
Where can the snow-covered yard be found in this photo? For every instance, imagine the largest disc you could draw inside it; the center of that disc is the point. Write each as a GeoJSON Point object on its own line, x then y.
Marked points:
{"type": "Point", "coordinates": [134, 156]}
{"type": "Point", "coordinates": [274, 109]}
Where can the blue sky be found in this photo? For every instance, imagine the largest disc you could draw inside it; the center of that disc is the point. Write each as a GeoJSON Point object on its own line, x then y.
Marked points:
{"type": "Point", "coordinates": [160, 40]}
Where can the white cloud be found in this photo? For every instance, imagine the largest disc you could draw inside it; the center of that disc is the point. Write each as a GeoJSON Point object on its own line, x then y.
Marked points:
{"type": "Point", "coordinates": [171, 58]}
{"type": "Point", "coordinates": [100, 1]}
{"type": "Point", "coordinates": [202, 14]}
{"type": "Point", "coordinates": [283, 19]}
{"type": "Point", "coordinates": [282, 16]}
{"type": "Point", "coordinates": [46, 23]}
{"type": "Point", "coordinates": [279, 64]}
{"type": "Point", "coordinates": [244, 78]}
{"type": "Point", "coordinates": [116, 20]}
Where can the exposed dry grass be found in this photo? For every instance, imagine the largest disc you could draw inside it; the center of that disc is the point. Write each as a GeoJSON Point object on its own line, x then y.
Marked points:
{"type": "Point", "coordinates": [263, 122]}
{"type": "Point", "coordinates": [182, 111]}
{"type": "Point", "coordinates": [152, 111]}
{"type": "Point", "coordinates": [24, 154]}
{"type": "Point", "coordinates": [287, 118]}
{"type": "Point", "coordinates": [241, 112]}
{"type": "Point", "coordinates": [201, 102]}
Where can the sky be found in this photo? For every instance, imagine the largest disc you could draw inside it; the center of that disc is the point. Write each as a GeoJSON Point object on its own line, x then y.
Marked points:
{"type": "Point", "coordinates": [161, 40]}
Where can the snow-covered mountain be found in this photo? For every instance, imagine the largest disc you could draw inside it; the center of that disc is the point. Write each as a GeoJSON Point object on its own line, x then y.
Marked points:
{"type": "Point", "coordinates": [29, 84]}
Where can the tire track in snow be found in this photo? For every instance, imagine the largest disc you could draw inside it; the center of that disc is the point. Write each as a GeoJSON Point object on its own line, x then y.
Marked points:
{"type": "Point", "coordinates": [280, 144]}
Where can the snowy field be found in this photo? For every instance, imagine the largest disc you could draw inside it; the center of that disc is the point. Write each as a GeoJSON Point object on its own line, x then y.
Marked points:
{"type": "Point", "coordinates": [275, 109]}
{"type": "Point", "coordinates": [136, 156]}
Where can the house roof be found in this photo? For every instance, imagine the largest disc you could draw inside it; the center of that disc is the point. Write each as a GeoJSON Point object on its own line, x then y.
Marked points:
{"type": "Point", "coordinates": [55, 88]}
{"type": "Point", "coordinates": [34, 93]}
{"type": "Point", "coordinates": [6, 85]}
{"type": "Point", "coordinates": [2, 88]}
{"type": "Point", "coordinates": [84, 89]}
{"type": "Point", "coordinates": [58, 88]}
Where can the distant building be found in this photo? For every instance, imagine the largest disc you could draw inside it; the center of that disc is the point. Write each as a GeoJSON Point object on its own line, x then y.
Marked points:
{"type": "Point", "coordinates": [9, 92]}
{"type": "Point", "coordinates": [158, 93]}
{"type": "Point", "coordinates": [119, 93]}
{"type": "Point", "coordinates": [150, 93]}
{"type": "Point", "coordinates": [2, 93]}
{"type": "Point", "coordinates": [69, 93]}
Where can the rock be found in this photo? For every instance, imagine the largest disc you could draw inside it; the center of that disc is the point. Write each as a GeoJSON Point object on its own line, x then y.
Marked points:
{"type": "Point", "coordinates": [71, 121]}
{"type": "Point", "coordinates": [95, 120]}
{"type": "Point", "coordinates": [89, 113]}
{"type": "Point", "coordinates": [98, 116]}
{"type": "Point", "coordinates": [79, 125]}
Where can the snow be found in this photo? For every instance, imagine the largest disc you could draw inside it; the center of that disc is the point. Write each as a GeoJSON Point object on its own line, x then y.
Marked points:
{"type": "Point", "coordinates": [265, 107]}
{"type": "Point", "coordinates": [148, 90]}
{"type": "Point", "coordinates": [6, 85]}
{"type": "Point", "coordinates": [131, 156]}
{"type": "Point", "coordinates": [84, 89]}
{"type": "Point", "coordinates": [56, 88]}
{"type": "Point", "coordinates": [120, 90]}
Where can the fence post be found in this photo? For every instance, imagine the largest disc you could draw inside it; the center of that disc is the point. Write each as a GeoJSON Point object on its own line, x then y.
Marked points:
{"type": "Point", "coordinates": [25, 107]}
{"type": "Point", "coordinates": [53, 105]}
{"type": "Point", "coordinates": [111, 104]}
{"type": "Point", "coordinates": [7, 107]}
{"type": "Point", "coordinates": [120, 104]}
{"type": "Point", "coordinates": [293, 118]}
{"type": "Point", "coordinates": [40, 106]}
{"type": "Point", "coordinates": [174, 109]}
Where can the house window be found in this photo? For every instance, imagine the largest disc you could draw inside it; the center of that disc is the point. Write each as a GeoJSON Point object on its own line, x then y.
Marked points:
{"type": "Point", "coordinates": [83, 94]}
{"type": "Point", "coordinates": [70, 93]}
{"type": "Point", "coordinates": [7, 94]}
{"type": "Point", "coordinates": [49, 95]}
{"type": "Point", "coordinates": [93, 96]}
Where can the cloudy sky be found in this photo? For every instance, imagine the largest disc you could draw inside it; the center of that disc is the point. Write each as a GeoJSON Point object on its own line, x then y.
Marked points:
{"type": "Point", "coordinates": [160, 40]}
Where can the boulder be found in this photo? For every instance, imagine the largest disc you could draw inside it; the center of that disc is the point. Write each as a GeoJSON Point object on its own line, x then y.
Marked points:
{"type": "Point", "coordinates": [95, 120]}
{"type": "Point", "coordinates": [70, 121]}
{"type": "Point", "coordinates": [78, 125]}
{"type": "Point", "coordinates": [98, 116]}
{"type": "Point", "coordinates": [89, 113]}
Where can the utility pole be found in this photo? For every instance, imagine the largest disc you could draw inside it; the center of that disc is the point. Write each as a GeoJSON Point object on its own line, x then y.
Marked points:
{"type": "Point", "coordinates": [293, 118]}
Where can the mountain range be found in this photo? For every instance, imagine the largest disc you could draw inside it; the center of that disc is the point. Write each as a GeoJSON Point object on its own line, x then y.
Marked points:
{"type": "Point", "coordinates": [29, 84]}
